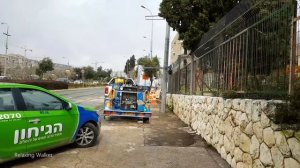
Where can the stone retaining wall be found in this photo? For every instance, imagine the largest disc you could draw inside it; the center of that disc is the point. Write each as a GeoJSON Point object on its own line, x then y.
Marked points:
{"type": "Point", "coordinates": [240, 130]}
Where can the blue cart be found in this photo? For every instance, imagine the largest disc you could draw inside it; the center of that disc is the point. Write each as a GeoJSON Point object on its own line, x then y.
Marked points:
{"type": "Point", "coordinates": [127, 101]}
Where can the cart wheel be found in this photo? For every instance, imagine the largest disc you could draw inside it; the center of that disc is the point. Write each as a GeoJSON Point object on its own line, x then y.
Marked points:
{"type": "Point", "coordinates": [145, 120]}
{"type": "Point", "coordinates": [107, 118]}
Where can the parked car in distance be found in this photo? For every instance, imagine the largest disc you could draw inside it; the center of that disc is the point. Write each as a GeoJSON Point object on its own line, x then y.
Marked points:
{"type": "Point", "coordinates": [33, 119]}
{"type": "Point", "coordinates": [95, 82]}
{"type": "Point", "coordinates": [4, 77]}
{"type": "Point", "coordinates": [78, 82]}
{"type": "Point", "coordinates": [66, 80]}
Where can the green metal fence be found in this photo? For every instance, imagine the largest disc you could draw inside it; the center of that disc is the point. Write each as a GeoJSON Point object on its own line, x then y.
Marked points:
{"type": "Point", "coordinates": [247, 52]}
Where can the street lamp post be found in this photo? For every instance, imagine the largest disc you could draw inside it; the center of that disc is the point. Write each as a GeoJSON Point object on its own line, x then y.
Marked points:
{"type": "Point", "coordinates": [148, 53]}
{"type": "Point", "coordinates": [68, 61]}
{"type": "Point", "coordinates": [67, 71]}
{"type": "Point", "coordinates": [6, 46]}
{"type": "Point", "coordinates": [151, 41]}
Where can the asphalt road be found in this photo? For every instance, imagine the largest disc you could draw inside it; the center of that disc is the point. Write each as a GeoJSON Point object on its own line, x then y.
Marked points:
{"type": "Point", "coordinates": [92, 97]}
{"type": "Point", "coordinates": [165, 142]}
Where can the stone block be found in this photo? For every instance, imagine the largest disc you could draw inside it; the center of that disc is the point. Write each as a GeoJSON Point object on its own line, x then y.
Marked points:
{"type": "Point", "coordinates": [258, 131]}
{"type": "Point", "coordinates": [243, 105]}
{"type": "Point", "coordinates": [281, 143]}
{"type": "Point", "coordinates": [265, 155]}
{"type": "Point", "coordinates": [228, 144]}
{"type": "Point", "coordinates": [254, 147]}
{"type": "Point", "coordinates": [294, 145]}
{"type": "Point", "coordinates": [233, 163]}
{"type": "Point", "coordinates": [288, 133]}
{"type": "Point", "coordinates": [221, 128]}
{"type": "Point", "coordinates": [249, 129]}
{"type": "Point", "coordinates": [240, 165]}
{"type": "Point", "coordinates": [223, 153]}
{"type": "Point", "coordinates": [221, 140]}
{"type": "Point", "coordinates": [248, 106]}
{"type": "Point", "coordinates": [238, 154]}
{"type": "Point", "coordinates": [256, 111]}
{"type": "Point", "coordinates": [291, 163]}
{"type": "Point", "coordinates": [268, 135]}
{"type": "Point", "coordinates": [225, 113]}
{"type": "Point", "coordinates": [245, 143]}
{"type": "Point", "coordinates": [236, 136]}
{"type": "Point", "coordinates": [236, 104]}
{"type": "Point", "coordinates": [228, 128]}
{"type": "Point", "coordinates": [265, 121]}
{"type": "Point", "coordinates": [277, 157]}
{"type": "Point", "coordinates": [243, 121]}
{"type": "Point", "coordinates": [247, 160]}
{"type": "Point", "coordinates": [264, 104]}
{"type": "Point", "coordinates": [228, 159]}
{"type": "Point", "coordinates": [236, 117]}
{"type": "Point", "coordinates": [258, 164]}
{"type": "Point", "coordinates": [228, 103]}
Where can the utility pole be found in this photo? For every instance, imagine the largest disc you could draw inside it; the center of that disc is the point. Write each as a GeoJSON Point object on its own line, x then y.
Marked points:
{"type": "Point", "coordinates": [25, 50]}
{"type": "Point", "coordinates": [151, 41]}
{"type": "Point", "coordinates": [165, 77]}
{"type": "Point", "coordinates": [6, 46]}
{"type": "Point", "coordinates": [165, 66]}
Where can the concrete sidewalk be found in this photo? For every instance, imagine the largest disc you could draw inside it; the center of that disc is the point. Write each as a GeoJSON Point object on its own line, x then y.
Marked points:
{"type": "Point", "coordinates": [177, 145]}
{"type": "Point", "coordinates": [165, 142]}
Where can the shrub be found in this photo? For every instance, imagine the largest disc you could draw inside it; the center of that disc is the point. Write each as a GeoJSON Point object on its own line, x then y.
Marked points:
{"type": "Point", "coordinates": [289, 112]}
{"type": "Point", "coordinates": [47, 84]}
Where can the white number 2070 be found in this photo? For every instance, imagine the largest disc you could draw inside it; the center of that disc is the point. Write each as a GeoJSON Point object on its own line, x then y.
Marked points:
{"type": "Point", "coordinates": [10, 116]}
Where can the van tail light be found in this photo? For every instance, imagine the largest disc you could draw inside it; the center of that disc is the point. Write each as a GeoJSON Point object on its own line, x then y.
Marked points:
{"type": "Point", "coordinates": [106, 90]}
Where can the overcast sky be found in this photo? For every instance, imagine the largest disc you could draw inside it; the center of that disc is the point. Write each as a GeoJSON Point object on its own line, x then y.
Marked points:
{"type": "Point", "coordinates": [85, 31]}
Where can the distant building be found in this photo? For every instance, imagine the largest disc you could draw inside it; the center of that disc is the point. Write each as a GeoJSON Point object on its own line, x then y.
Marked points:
{"type": "Point", "coordinates": [176, 48]}
{"type": "Point", "coordinates": [18, 62]}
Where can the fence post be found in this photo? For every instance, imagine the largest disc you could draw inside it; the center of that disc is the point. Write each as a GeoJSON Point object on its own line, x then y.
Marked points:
{"type": "Point", "coordinates": [293, 53]}
{"type": "Point", "coordinates": [179, 74]}
{"type": "Point", "coordinates": [192, 81]}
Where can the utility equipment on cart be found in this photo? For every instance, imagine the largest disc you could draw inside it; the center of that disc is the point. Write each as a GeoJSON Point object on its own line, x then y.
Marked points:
{"type": "Point", "coordinates": [125, 99]}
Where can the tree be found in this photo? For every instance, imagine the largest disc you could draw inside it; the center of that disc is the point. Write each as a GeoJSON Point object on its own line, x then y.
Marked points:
{"type": "Point", "coordinates": [78, 74]}
{"type": "Point", "coordinates": [126, 68]}
{"type": "Point", "coordinates": [192, 18]}
{"type": "Point", "coordinates": [151, 67]}
{"type": "Point", "coordinates": [44, 66]}
{"type": "Point", "coordinates": [132, 62]}
{"type": "Point", "coordinates": [89, 72]}
{"type": "Point", "coordinates": [103, 74]}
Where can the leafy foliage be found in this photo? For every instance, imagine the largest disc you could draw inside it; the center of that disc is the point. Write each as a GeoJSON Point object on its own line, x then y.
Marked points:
{"type": "Point", "coordinates": [44, 66]}
{"type": "Point", "coordinates": [289, 112]}
{"type": "Point", "coordinates": [90, 73]}
{"type": "Point", "coordinates": [192, 18]}
{"type": "Point", "coordinates": [130, 64]}
{"type": "Point", "coordinates": [151, 66]}
{"type": "Point", "coordinates": [102, 73]}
